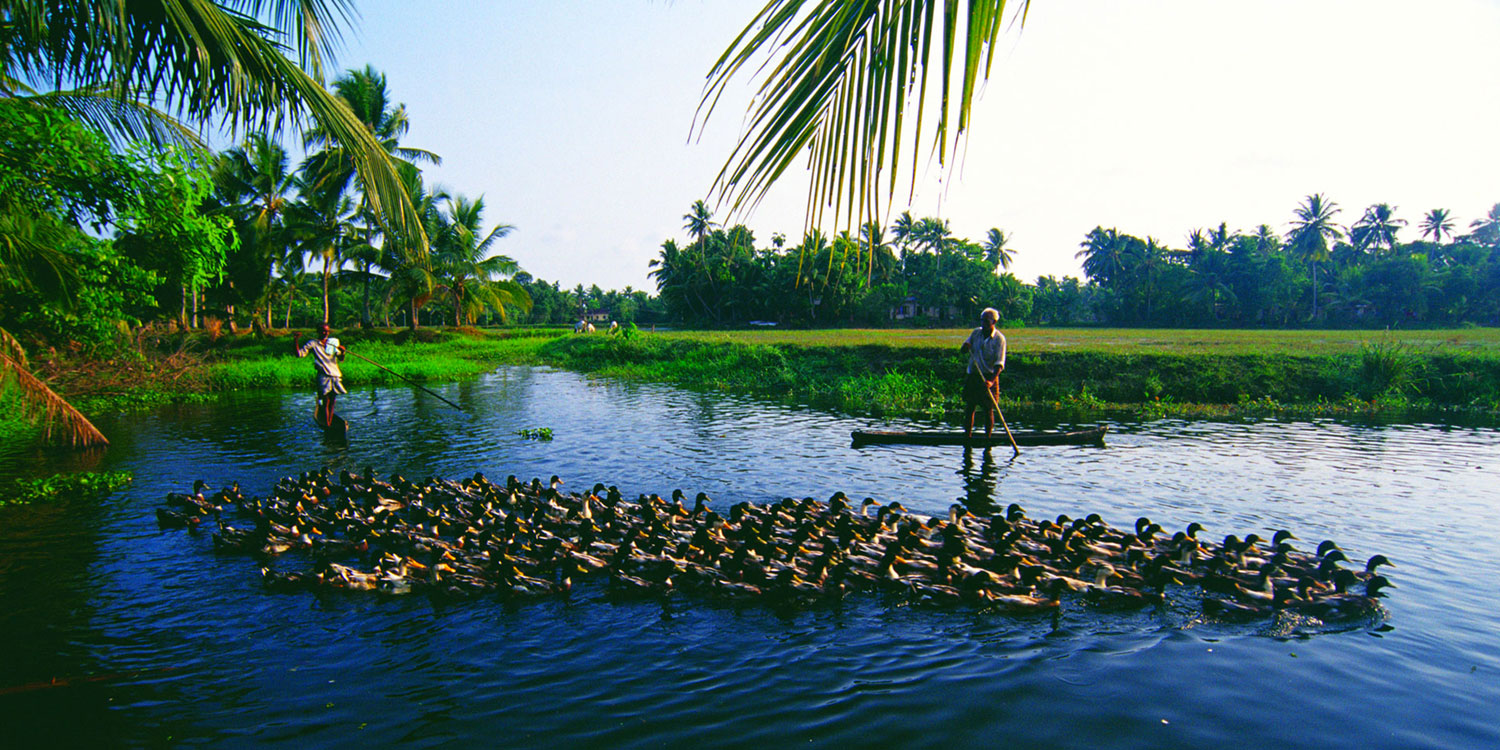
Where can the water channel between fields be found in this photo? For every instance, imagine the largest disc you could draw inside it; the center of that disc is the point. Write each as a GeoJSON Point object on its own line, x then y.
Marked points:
{"type": "Point", "coordinates": [113, 631]}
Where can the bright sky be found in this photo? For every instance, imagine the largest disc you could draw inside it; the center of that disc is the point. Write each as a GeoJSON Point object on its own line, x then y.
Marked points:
{"type": "Point", "coordinates": [571, 118]}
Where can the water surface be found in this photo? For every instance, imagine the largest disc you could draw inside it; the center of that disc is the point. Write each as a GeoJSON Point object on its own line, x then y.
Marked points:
{"type": "Point", "coordinates": [116, 632]}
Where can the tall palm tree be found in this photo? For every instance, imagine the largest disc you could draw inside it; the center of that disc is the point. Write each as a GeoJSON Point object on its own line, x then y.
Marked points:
{"type": "Point", "coordinates": [1311, 232]}
{"type": "Point", "coordinates": [412, 279]}
{"type": "Point", "coordinates": [699, 221]}
{"type": "Point", "coordinates": [255, 185]}
{"type": "Point", "coordinates": [1377, 228]}
{"type": "Point", "coordinates": [1266, 240]}
{"type": "Point", "coordinates": [1102, 253]}
{"type": "Point", "coordinates": [473, 279]}
{"type": "Point", "coordinates": [321, 222]}
{"type": "Point", "coordinates": [933, 234]}
{"type": "Point", "coordinates": [1437, 224]}
{"type": "Point", "coordinates": [1487, 230]}
{"type": "Point", "coordinates": [996, 251]}
{"type": "Point", "coordinates": [365, 93]}
{"type": "Point", "coordinates": [883, 265]}
{"type": "Point", "coordinates": [904, 231]}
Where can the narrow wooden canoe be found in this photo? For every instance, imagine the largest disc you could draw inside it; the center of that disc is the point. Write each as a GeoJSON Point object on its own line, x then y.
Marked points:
{"type": "Point", "coordinates": [1094, 436]}
{"type": "Point", "coordinates": [339, 428]}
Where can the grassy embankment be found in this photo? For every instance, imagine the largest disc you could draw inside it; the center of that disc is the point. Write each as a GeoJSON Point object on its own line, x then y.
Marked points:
{"type": "Point", "coordinates": [1155, 372]}
{"type": "Point", "coordinates": [178, 369]}
{"type": "Point", "coordinates": [882, 372]}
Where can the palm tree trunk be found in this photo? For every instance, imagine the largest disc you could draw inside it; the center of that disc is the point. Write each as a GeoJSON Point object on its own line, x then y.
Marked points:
{"type": "Point", "coordinates": [325, 290]}
{"type": "Point", "coordinates": [1314, 291]}
{"type": "Point", "coordinates": [364, 314]}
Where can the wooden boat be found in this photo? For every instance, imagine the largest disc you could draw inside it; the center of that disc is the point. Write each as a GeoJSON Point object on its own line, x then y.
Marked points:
{"type": "Point", "coordinates": [1093, 436]}
{"type": "Point", "coordinates": [336, 429]}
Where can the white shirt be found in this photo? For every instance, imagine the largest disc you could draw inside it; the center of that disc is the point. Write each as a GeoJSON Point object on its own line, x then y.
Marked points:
{"type": "Point", "coordinates": [986, 353]}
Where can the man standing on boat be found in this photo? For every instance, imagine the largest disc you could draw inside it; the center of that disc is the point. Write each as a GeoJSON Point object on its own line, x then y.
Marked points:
{"type": "Point", "coordinates": [986, 350]}
{"type": "Point", "coordinates": [327, 353]}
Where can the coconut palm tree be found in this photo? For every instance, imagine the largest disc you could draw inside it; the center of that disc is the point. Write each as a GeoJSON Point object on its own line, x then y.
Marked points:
{"type": "Point", "coordinates": [1487, 230]}
{"type": "Point", "coordinates": [883, 264]}
{"type": "Point", "coordinates": [904, 231]}
{"type": "Point", "coordinates": [365, 93]}
{"type": "Point", "coordinates": [1102, 253]}
{"type": "Point", "coordinates": [473, 279]}
{"type": "Point", "coordinates": [996, 251]}
{"type": "Point", "coordinates": [1437, 224]}
{"type": "Point", "coordinates": [1377, 228]}
{"type": "Point", "coordinates": [933, 234]}
{"type": "Point", "coordinates": [699, 221]}
{"type": "Point", "coordinates": [321, 223]}
{"type": "Point", "coordinates": [412, 279]}
{"type": "Point", "coordinates": [1311, 232]}
{"type": "Point", "coordinates": [255, 186]}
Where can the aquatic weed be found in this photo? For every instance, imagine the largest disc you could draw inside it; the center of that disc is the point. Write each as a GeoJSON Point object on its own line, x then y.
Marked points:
{"type": "Point", "coordinates": [84, 485]}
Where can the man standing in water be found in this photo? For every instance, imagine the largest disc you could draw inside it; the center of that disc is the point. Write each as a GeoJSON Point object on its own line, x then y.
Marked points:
{"type": "Point", "coordinates": [327, 353]}
{"type": "Point", "coordinates": [986, 349]}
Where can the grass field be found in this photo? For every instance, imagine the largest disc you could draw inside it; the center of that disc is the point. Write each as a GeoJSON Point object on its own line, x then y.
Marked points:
{"type": "Point", "coordinates": [1180, 372]}
{"type": "Point", "coordinates": [1481, 341]}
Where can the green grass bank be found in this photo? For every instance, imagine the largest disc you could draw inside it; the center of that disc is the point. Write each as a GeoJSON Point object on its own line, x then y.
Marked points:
{"type": "Point", "coordinates": [1187, 373]}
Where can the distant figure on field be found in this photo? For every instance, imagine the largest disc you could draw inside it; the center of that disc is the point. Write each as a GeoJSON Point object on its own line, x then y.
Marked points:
{"type": "Point", "coordinates": [327, 353]}
{"type": "Point", "coordinates": [614, 327]}
{"type": "Point", "coordinates": [986, 349]}
{"type": "Point", "coordinates": [580, 325]}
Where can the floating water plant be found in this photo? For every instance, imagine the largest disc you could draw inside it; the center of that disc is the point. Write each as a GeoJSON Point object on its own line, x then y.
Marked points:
{"type": "Point", "coordinates": [87, 484]}
{"type": "Point", "coordinates": [536, 433]}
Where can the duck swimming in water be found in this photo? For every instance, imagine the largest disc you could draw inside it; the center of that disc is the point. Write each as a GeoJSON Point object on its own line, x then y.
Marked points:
{"type": "Point", "coordinates": [533, 539]}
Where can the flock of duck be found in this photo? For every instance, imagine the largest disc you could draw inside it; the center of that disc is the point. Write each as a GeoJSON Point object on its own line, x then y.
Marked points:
{"type": "Point", "coordinates": [529, 539]}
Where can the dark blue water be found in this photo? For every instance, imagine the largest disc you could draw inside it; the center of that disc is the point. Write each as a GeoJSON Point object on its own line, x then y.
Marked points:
{"type": "Point", "coordinates": [115, 632]}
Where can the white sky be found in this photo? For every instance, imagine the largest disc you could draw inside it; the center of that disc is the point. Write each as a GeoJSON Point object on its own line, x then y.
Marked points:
{"type": "Point", "coordinates": [572, 118]}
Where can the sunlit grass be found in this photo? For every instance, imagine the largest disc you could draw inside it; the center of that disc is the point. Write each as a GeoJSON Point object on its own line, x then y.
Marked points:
{"type": "Point", "coordinates": [1484, 341]}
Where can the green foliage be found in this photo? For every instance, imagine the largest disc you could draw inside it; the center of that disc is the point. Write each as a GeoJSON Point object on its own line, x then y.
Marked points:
{"type": "Point", "coordinates": [536, 433]}
{"type": "Point", "coordinates": [54, 175]}
{"type": "Point", "coordinates": [114, 294]}
{"type": "Point", "coordinates": [87, 485]}
{"type": "Point", "coordinates": [1388, 368]}
{"type": "Point", "coordinates": [170, 231]}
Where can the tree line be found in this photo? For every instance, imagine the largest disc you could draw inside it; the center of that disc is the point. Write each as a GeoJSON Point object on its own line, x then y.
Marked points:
{"type": "Point", "coordinates": [917, 270]}
{"type": "Point", "coordinates": [1317, 273]}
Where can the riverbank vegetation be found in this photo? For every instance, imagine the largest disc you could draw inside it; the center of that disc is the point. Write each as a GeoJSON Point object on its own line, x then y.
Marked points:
{"type": "Point", "coordinates": [1151, 372]}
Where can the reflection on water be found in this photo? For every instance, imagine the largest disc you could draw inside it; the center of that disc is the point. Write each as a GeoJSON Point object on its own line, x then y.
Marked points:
{"type": "Point", "coordinates": [980, 480]}
{"type": "Point", "coordinates": [161, 641]}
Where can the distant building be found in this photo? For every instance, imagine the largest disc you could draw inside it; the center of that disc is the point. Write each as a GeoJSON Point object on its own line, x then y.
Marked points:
{"type": "Point", "coordinates": [911, 309]}
{"type": "Point", "coordinates": [596, 316]}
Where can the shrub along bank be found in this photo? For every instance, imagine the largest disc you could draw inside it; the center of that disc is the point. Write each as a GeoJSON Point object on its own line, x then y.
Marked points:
{"type": "Point", "coordinates": [923, 381]}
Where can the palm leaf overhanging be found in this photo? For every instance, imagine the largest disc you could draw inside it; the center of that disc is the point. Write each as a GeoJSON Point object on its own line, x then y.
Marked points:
{"type": "Point", "coordinates": [841, 80]}
{"type": "Point", "coordinates": [40, 403]}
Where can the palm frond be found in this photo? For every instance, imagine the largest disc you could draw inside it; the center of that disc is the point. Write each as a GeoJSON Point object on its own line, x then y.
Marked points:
{"type": "Point", "coordinates": [42, 404]}
{"type": "Point", "coordinates": [122, 120]}
{"type": "Point", "coordinates": [839, 82]}
{"type": "Point", "coordinates": [207, 62]}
